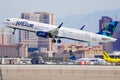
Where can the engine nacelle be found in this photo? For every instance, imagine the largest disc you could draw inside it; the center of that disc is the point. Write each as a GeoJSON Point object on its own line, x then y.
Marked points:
{"type": "Point", "coordinates": [42, 34]}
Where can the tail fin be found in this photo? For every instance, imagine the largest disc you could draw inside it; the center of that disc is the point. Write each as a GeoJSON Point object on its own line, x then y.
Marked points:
{"type": "Point", "coordinates": [72, 56]}
{"type": "Point", "coordinates": [105, 55]}
{"type": "Point", "coordinates": [109, 29]}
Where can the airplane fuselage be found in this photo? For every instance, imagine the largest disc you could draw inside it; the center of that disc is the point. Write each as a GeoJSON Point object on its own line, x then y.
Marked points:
{"type": "Point", "coordinates": [109, 59]}
{"type": "Point", "coordinates": [113, 60]}
{"type": "Point", "coordinates": [64, 32]}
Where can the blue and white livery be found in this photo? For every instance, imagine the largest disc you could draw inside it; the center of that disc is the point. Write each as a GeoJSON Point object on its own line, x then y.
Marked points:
{"type": "Point", "coordinates": [58, 32]}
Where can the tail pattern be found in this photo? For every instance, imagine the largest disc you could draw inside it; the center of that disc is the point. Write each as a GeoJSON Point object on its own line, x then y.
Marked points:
{"type": "Point", "coordinates": [105, 55]}
{"type": "Point", "coordinates": [109, 29]}
{"type": "Point", "coordinates": [72, 56]}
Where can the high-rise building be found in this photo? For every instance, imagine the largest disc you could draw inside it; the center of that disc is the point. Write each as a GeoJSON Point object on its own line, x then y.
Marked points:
{"type": "Point", "coordinates": [116, 44]}
{"type": "Point", "coordinates": [30, 38]}
{"type": "Point", "coordinates": [113, 46]}
{"type": "Point", "coordinates": [6, 38]}
{"type": "Point", "coordinates": [105, 20]}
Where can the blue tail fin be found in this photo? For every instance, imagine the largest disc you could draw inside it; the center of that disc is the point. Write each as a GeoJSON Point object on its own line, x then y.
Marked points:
{"type": "Point", "coordinates": [72, 56]}
{"type": "Point", "coordinates": [109, 29]}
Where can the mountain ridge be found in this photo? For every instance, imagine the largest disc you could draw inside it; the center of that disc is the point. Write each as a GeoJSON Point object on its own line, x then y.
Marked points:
{"type": "Point", "coordinates": [91, 21]}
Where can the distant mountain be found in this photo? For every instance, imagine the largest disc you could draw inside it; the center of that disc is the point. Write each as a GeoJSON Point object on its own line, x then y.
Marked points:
{"type": "Point", "coordinates": [91, 21]}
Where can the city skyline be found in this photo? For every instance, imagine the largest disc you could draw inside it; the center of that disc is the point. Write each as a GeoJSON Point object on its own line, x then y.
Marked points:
{"type": "Point", "coordinates": [60, 8]}
{"type": "Point", "coordinates": [31, 39]}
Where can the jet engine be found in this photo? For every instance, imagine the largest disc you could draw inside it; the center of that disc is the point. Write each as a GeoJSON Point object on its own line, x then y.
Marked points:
{"type": "Point", "coordinates": [42, 34]}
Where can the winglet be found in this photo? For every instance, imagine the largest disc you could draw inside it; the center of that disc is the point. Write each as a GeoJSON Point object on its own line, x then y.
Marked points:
{"type": "Point", "coordinates": [60, 25]}
{"type": "Point", "coordinates": [82, 27]}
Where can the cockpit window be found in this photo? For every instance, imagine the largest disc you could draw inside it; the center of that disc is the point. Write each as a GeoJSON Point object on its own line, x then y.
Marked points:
{"type": "Point", "coordinates": [8, 20]}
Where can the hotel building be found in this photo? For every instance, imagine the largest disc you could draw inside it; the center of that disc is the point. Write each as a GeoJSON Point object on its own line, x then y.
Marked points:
{"type": "Point", "coordinates": [113, 46]}
{"type": "Point", "coordinates": [116, 44]}
{"type": "Point", "coordinates": [6, 36]}
{"type": "Point", "coordinates": [30, 39]}
{"type": "Point", "coordinates": [105, 20]}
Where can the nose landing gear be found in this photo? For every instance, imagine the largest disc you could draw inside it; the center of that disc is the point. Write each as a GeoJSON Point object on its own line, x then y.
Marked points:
{"type": "Point", "coordinates": [13, 31]}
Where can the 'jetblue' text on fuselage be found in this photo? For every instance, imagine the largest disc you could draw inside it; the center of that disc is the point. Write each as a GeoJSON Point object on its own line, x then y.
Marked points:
{"type": "Point", "coordinates": [24, 23]}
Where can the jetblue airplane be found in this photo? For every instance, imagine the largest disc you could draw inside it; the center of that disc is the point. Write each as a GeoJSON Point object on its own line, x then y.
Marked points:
{"type": "Point", "coordinates": [58, 32]}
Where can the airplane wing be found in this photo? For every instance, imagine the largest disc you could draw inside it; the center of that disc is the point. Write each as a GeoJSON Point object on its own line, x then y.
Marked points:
{"type": "Point", "coordinates": [54, 32]}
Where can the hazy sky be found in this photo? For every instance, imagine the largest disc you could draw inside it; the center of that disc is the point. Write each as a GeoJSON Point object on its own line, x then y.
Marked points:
{"type": "Point", "coordinates": [61, 8]}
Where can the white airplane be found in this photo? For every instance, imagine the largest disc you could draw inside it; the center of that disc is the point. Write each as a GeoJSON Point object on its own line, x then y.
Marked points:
{"type": "Point", "coordinates": [57, 32]}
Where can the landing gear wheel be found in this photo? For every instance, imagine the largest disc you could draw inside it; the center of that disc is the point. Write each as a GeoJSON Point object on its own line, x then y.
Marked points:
{"type": "Point", "coordinates": [53, 41]}
{"type": "Point", "coordinates": [13, 31]}
{"type": "Point", "coordinates": [58, 41]}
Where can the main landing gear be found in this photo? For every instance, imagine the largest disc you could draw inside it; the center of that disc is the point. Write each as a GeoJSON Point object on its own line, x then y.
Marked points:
{"type": "Point", "coordinates": [54, 41]}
